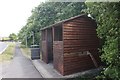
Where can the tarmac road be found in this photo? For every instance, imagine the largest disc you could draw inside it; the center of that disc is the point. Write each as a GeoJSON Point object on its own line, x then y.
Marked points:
{"type": "Point", "coordinates": [20, 67]}
{"type": "Point", "coordinates": [2, 47]}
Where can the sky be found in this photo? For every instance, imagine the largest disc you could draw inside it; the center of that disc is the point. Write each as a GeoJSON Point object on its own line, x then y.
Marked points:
{"type": "Point", "coordinates": [14, 15]}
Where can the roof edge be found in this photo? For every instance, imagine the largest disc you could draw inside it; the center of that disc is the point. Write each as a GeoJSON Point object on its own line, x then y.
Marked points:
{"type": "Point", "coordinates": [60, 22]}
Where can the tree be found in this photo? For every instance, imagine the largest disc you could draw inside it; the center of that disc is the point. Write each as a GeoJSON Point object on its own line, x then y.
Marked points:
{"type": "Point", "coordinates": [107, 16]}
{"type": "Point", "coordinates": [13, 37]}
{"type": "Point", "coordinates": [46, 14]}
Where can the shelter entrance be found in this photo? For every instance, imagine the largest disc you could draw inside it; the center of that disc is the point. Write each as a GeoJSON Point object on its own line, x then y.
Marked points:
{"type": "Point", "coordinates": [50, 45]}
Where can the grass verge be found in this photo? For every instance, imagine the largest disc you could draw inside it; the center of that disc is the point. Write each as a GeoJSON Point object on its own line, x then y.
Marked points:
{"type": "Point", "coordinates": [8, 53]}
{"type": "Point", "coordinates": [26, 51]}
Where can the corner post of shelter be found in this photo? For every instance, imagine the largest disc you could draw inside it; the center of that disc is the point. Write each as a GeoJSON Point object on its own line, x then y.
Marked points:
{"type": "Point", "coordinates": [44, 46]}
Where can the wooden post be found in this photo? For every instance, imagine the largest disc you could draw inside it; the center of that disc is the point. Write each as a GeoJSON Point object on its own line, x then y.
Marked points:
{"type": "Point", "coordinates": [93, 59]}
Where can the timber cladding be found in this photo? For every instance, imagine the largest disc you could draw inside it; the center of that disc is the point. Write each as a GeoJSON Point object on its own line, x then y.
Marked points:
{"type": "Point", "coordinates": [79, 35]}
{"type": "Point", "coordinates": [58, 55]}
{"type": "Point", "coordinates": [44, 52]}
{"type": "Point", "coordinates": [75, 63]}
{"type": "Point", "coordinates": [73, 45]}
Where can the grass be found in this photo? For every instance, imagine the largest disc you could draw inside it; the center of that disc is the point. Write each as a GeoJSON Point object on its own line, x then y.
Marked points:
{"type": "Point", "coordinates": [7, 55]}
{"type": "Point", "coordinates": [26, 51]}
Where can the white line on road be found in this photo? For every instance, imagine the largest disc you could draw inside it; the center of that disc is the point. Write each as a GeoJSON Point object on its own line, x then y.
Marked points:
{"type": "Point", "coordinates": [3, 49]}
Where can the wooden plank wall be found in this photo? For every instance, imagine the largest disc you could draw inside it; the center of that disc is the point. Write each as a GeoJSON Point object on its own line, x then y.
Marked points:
{"type": "Point", "coordinates": [79, 35]}
{"type": "Point", "coordinates": [75, 63]}
{"type": "Point", "coordinates": [44, 52]}
{"type": "Point", "coordinates": [49, 45]}
{"type": "Point", "coordinates": [58, 55]}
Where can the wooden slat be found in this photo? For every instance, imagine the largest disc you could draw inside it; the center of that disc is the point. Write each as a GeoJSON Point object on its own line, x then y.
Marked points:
{"type": "Point", "coordinates": [83, 20]}
{"type": "Point", "coordinates": [70, 69]}
{"type": "Point", "coordinates": [78, 23]}
{"type": "Point", "coordinates": [57, 55]}
{"type": "Point", "coordinates": [81, 35]}
{"type": "Point", "coordinates": [82, 25]}
{"type": "Point", "coordinates": [73, 60]}
{"type": "Point", "coordinates": [80, 42]}
{"type": "Point", "coordinates": [79, 64]}
{"type": "Point", "coordinates": [80, 30]}
{"type": "Point", "coordinates": [77, 38]}
{"type": "Point", "coordinates": [78, 49]}
{"type": "Point", "coordinates": [85, 45]}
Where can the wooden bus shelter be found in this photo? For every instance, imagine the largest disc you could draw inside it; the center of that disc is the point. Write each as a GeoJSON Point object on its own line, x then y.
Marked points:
{"type": "Point", "coordinates": [71, 45]}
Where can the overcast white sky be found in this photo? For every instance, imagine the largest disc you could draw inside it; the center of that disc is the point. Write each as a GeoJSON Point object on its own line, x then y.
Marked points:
{"type": "Point", "coordinates": [14, 14]}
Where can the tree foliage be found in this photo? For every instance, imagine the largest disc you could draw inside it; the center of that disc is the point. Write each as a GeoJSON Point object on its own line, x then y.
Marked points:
{"type": "Point", "coordinates": [46, 14]}
{"type": "Point", "coordinates": [107, 16]}
{"type": "Point", "coordinates": [13, 37]}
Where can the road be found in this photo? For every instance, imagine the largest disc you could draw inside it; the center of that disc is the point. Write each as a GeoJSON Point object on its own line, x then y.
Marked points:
{"type": "Point", "coordinates": [20, 67]}
{"type": "Point", "coordinates": [2, 47]}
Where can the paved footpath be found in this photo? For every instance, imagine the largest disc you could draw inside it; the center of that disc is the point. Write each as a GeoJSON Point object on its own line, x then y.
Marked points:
{"type": "Point", "coordinates": [20, 67]}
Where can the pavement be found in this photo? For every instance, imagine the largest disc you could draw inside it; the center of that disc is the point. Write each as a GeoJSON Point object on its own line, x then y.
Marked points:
{"type": "Point", "coordinates": [3, 46]}
{"type": "Point", "coordinates": [20, 67]}
{"type": "Point", "coordinates": [47, 71]}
